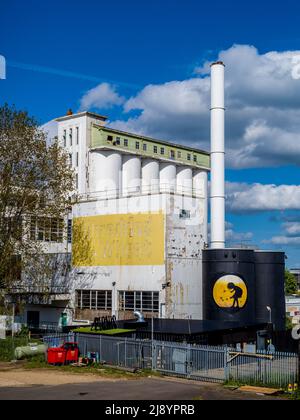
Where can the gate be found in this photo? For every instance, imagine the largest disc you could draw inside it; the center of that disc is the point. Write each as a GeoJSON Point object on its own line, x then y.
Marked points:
{"type": "Point", "coordinates": [262, 368]}
{"type": "Point", "coordinates": [202, 363]}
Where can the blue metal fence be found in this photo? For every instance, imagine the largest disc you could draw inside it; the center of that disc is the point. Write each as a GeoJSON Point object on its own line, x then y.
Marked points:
{"type": "Point", "coordinates": [203, 363]}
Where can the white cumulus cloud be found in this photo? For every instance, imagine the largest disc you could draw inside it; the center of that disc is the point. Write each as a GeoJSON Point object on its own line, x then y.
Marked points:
{"type": "Point", "coordinates": [246, 198]}
{"type": "Point", "coordinates": [103, 96]}
{"type": "Point", "coordinates": [262, 101]}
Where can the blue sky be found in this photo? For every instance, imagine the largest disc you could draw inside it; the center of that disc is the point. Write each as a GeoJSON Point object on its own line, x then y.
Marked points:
{"type": "Point", "coordinates": [143, 63]}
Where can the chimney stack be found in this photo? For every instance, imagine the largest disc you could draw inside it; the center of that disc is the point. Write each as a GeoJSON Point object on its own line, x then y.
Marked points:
{"type": "Point", "coordinates": [217, 188]}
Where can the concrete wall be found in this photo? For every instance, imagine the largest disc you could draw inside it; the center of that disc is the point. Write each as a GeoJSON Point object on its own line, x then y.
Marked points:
{"type": "Point", "coordinates": [170, 263]}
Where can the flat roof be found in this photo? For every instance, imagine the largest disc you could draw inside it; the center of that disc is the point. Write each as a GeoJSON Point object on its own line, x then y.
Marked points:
{"type": "Point", "coordinates": [152, 139]}
{"type": "Point", "coordinates": [82, 114]}
{"type": "Point", "coordinates": [193, 326]}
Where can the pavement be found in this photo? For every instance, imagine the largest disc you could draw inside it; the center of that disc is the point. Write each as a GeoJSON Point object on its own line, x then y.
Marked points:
{"type": "Point", "coordinates": [45, 385]}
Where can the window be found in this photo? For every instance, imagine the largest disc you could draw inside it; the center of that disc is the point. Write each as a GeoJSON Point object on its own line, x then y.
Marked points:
{"type": "Point", "coordinates": [77, 135]}
{"type": "Point", "coordinates": [188, 156]}
{"type": "Point", "coordinates": [179, 155]}
{"type": "Point", "coordinates": [110, 138]}
{"type": "Point", "coordinates": [77, 159]}
{"type": "Point", "coordinates": [69, 231]}
{"type": "Point", "coordinates": [118, 141]}
{"type": "Point", "coordinates": [162, 150]}
{"type": "Point", "coordinates": [137, 145]}
{"type": "Point", "coordinates": [185, 214]}
{"type": "Point", "coordinates": [154, 149]}
{"type": "Point", "coordinates": [139, 301]}
{"type": "Point", "coordinates": [65, 138]}
{"type": "Point", "coordinates": [195, 158]}
{"type": "Point", "coordinates": [145, 147]}
{"type": "Point", "coordinates": [77, 183]}
{"type": "Point", "coordinates": [172, 154]}
{"type": "Point", "coordinates": [70, 159]}
{"type": "Point", "coordinates": [46, 229]}
{"type": "Point", "coordinates": [125, 142]}
{"type": "Point", "coordinates": [71, 136]}
{"type": "Point", "coordinates": [12, 227]}
{"type": "Point", "coordinates": [94, 299]}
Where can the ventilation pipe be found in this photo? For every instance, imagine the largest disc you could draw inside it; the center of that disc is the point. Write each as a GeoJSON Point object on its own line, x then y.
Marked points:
{"type": "Point", "coordinates": [139, 316]}
{"type": "Point", "coordinates": [217, 198]}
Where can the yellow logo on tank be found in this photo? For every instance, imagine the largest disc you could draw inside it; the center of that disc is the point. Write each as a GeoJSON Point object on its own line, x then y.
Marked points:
{"type": "Point", "coordinates": [230, 292]}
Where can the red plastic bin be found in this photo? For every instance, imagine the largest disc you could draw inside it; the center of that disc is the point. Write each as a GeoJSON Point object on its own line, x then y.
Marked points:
{"type": "Point", "coordinates": [56, 356]}
{"type": "Point", "coordinates": [72, 352]}
{"type": "Point", "coordinates": [66, 354]}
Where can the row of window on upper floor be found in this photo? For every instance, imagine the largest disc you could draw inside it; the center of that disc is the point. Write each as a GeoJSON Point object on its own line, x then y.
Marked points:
{"type": "Point", "coordinates": [156, 150]}
{"type": "Point", "coordinates": [68, 135]}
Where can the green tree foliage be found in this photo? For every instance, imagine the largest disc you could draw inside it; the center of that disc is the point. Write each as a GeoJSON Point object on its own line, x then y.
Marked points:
{"type": "Point", "coordinates": [36, 182]}
{"type": "Point", "coordinates": [291, 286]}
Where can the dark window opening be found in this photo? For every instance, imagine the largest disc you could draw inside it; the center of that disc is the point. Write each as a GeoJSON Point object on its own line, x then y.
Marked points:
{"type": "Point", "coordinates": [94, 299]}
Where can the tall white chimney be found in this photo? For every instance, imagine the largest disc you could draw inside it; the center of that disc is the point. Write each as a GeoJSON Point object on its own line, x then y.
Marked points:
{"type": "Point", "coordinates": [217, 198]}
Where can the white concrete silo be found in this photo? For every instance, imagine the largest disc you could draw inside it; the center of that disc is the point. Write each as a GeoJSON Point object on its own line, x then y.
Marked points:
{"type": "Point", "coordinates": [167, 177]}
{"type": "Point", "coordinates": [150, 176]}
{"type": "Point", "coordinates": [131, 175]}
{"type": "Point", "coordinates": [200, 183]}
{"type": "Point", "coordinates": [106, 174]}
{"type": "Point", "coordinates": [184, 180]}
{"type": "Point", "coordinates": [200, 190]}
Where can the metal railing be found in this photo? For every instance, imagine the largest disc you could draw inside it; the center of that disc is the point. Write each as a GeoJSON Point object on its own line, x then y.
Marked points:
{"type": "Point", "coordinates": [155, 188]}
{"type": "Point", "coordinates": [277, 369]}
{"type": "Point", "coordinates": [56, 340]}
{"type": "Point", "coordinates": [44, 327]}
{"type": "Point", "coordinates": [203, 363]}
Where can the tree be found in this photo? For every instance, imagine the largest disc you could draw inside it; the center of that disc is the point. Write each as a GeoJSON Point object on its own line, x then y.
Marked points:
{"type": "Point", "coordinates": [36, 183]}
{"type": "Point", "coordinates": [291, 286]}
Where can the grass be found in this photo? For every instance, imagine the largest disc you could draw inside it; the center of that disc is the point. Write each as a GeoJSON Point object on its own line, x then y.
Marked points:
{"type": "Point", "coordinates": [103, 371]}
{"type": "Point", "coordinates": [236, 384]}
{"type": "Point", "coordinates": [295, 396]}
{"type": "Point", "coordinates": [88, 330]}
{"type": "Point", "coordinates": [7, 347]}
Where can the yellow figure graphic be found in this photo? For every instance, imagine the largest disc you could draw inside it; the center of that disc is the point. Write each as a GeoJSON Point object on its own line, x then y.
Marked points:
{"type": "Point", "coordinates": [230, 292]}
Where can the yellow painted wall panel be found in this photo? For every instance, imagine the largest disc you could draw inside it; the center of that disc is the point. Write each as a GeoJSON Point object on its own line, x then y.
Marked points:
{"type": "Point", "coordinates": [119, 239]}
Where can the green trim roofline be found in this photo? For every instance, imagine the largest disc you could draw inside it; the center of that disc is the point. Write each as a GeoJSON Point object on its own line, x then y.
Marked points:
{"type": "Point", "coordinates": [109, 138]}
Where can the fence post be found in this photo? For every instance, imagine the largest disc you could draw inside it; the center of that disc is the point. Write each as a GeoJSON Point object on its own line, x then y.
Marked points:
{"type": "Point", "coordinates": [154, 361]}
{"type": "Point", "coordinates": [226, 364]}
{"type": "Point", "coordinates": [100, 348]}
{"type": "Point", "coordinates": [125, 351]}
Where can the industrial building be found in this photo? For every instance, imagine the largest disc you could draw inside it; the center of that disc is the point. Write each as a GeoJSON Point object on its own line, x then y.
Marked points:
{"type": "Point", "coordinates": [139, 227]}
{"type": "Point", "coordinates": [138, 234]}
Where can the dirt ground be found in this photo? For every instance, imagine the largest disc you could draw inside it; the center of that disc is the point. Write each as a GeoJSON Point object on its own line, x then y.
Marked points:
{"type": "Point", "coordinates": [21, 377]}
{"type": "Point", "coordinates": [16, 383]}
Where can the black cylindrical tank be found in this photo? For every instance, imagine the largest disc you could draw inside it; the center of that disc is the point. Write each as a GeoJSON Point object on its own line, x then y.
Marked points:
{"type": "Point", "coordinates": [269, 270]}
{"type": "Point", "coordinates": [229, 285]}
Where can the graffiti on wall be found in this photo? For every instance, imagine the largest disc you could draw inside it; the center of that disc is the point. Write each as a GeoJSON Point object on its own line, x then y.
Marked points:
{"type": "Point", "coordinates": [230, 292]}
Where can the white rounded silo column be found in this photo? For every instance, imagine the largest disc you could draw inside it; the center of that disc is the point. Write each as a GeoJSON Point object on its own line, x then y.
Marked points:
{"type": "Point", "coordinates": [167, 177]}
{"type": "Point", "coordinates": [184, 180]}
{"type": "Point", "coordinates": [200, 187]}
{"type": "Point", "coordinates": [131, 175]}
{"type": "Point", "coordinates": [217, 201]}
{"type": "Point", "coordinates": [150, 176]}
{"type": "Point", "coordinates": [106, 174]}
{"type": "Point", "coordinates": [199, 183]}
